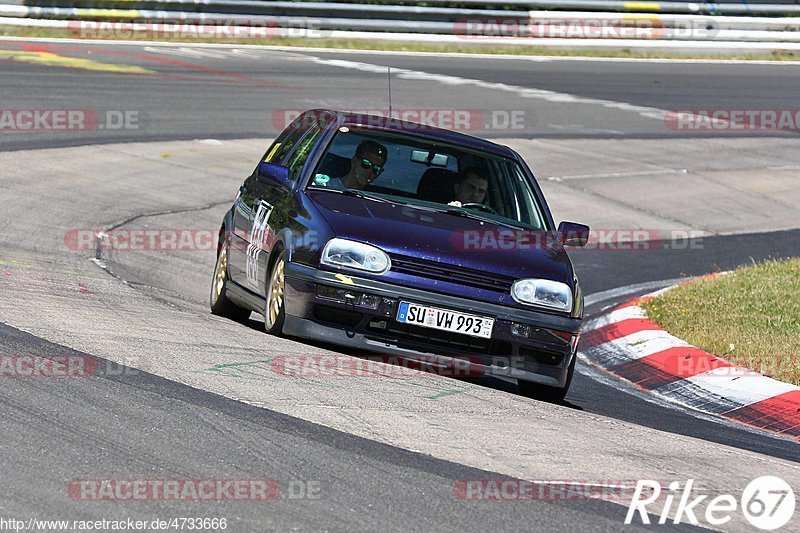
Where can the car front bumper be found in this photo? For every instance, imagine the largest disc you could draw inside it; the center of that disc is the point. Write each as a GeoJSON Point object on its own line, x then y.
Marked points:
{"type": "Point", "coordinates": [525, 344]}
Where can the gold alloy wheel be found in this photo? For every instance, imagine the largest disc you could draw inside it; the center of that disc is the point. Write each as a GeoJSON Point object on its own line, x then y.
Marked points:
{"type": "Point", "coordinates": [275, 299]}
{"type": "Point", "coordinates": [220, 273]}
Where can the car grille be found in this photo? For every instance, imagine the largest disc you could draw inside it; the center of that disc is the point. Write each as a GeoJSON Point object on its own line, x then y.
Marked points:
{"type": "Point", "coordinates": [451, 273]}
{"type": "Point", "coordinates": [410, 336]}
{"type": "Point", "coordinates": [442, 339]}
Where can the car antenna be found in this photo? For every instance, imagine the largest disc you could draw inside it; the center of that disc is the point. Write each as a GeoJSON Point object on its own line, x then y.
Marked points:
{"type": "Point", "coordinates": [389, 78]}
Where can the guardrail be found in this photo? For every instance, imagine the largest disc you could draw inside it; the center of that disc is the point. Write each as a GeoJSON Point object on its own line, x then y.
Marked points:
{"type": "Point", "coordinates": [489, 24]}
{"type": "Point", "coordinates": [430, 24]}
{"type": "Point", "coordinates": [490, 8]}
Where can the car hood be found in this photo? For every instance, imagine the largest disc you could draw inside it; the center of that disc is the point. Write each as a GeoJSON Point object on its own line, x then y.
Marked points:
{"type": "Point", "coordinates": [426, 234]}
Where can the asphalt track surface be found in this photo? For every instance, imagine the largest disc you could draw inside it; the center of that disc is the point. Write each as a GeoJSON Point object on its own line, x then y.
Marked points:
{"type": "Point", "coordinates": [130, 422]}
{"type": "Point", "coordinates": [142, 422]}
{"type": "Point", "coordinates": [190, 93]}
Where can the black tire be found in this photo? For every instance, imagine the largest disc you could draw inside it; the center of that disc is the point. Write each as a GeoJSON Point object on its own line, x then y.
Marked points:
{"type": "Point", "coordinates": [546, 393]}
{"type": "Point", "coordinates": [275, 308]}
{"type": "Point", "coordinates": [218, 301]}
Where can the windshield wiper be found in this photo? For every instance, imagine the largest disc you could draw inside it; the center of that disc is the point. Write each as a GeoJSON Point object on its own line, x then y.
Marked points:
{"type": "Point", "coordinates": [361, 194]}
{"type": "Point", "coordinates": [354, 192]}
{"type": "Point", "coordinates": [474, 216]}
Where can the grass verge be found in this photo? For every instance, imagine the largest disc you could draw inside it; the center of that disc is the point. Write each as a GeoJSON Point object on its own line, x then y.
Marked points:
{"type": "Point", "coordinates": [358, 44]}
{"type": "Point", "coordinates": [750, 317]}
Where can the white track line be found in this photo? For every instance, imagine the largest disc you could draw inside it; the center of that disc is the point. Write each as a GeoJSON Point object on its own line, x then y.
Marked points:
{"type": "Point", "coordinates": [625, 290]}
{"type": "Point", "coordinates": [523, 92]}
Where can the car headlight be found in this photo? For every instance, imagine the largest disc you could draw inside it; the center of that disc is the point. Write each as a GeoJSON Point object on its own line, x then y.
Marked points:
{"type": "Point", "coordinates": [544, 293]}
{"type": "Point", "coordinates": [357, 255]}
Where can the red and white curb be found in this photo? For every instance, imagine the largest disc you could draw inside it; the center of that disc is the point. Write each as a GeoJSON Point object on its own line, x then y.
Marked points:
{"type": "Point", "coordinates": [626, 343]}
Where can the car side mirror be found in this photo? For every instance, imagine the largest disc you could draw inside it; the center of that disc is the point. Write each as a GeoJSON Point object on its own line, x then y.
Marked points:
{"type": "Point", "coordinates": [573, 234]}
{"type": "Point", "coordinates": [270, 174]}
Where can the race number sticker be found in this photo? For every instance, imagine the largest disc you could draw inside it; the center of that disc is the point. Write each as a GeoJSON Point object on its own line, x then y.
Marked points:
{"type": "Point", "coordinates": [257, 234]}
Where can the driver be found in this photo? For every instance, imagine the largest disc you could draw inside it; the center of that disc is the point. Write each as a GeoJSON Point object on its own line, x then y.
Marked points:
{"type": "Point", "coordinates": [470, 187]}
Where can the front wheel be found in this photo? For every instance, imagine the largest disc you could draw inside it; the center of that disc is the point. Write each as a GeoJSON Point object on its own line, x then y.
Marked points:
{"type": "Point", "coordinates": [546, 393]}
{"type": "Point", "coordinates": [275, 312]}
{"type": "Point", "coordinates": [218, 301]}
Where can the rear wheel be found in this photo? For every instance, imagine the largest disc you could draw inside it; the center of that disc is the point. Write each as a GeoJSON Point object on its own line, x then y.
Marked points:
{"type": "Point", "coordinates": [275, 312]}
{"type": "Point", "coordinates": [218, 301]}
{"type": "Point", "coordinates": [546, 393]}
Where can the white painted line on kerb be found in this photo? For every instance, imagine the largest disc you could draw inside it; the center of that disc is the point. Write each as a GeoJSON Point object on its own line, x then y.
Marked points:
{"type": "Point", "coordinates": [744, 388]}
{"type": "Point", "coordinates": [618, 315]}
{"type": "Point", "coordinates": [523, 92]}
{"type": "Point", "coordinates": [642, 344]}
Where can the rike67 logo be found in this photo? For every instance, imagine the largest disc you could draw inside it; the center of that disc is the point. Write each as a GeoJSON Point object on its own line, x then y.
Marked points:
{"type": "Point", "coordinates": [767, 503]}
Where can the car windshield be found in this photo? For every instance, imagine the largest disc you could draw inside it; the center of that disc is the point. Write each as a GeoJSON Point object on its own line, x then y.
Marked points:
{"type": "Point", "coordinates": [418, 172]}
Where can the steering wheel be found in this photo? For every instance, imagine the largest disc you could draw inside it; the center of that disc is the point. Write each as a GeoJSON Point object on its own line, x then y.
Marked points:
{"type": "Point", "coordinates": [479, 206]}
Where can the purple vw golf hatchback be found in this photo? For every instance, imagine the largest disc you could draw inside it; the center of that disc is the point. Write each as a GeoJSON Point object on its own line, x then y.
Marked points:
{"type": "Point", "coordinates": [405, 240]}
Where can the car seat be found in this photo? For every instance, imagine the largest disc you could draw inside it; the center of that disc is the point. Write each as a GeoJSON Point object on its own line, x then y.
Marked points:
{"type": "Point", "coordinates": [436, 185]}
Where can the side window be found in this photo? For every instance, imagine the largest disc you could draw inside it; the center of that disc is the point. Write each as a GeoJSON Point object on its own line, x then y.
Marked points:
{"type": "Point", "coordinates": [286, 141]}
{"type": "Point", "coordinates": [528, 208]}
{"type": "Point", "coordinates": [298, 158]}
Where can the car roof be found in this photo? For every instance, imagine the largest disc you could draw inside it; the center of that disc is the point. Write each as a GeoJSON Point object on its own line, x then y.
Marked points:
{"type": "Point", "coordinates": [426, 132]}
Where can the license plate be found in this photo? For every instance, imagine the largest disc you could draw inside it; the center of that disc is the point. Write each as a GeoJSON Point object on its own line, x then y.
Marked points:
{"type": "Point", "coordinates": [433, 317]}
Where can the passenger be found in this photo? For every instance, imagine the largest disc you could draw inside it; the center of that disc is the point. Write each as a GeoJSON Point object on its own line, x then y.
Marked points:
{"type": "Point", "coordinates": [365, 167]}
